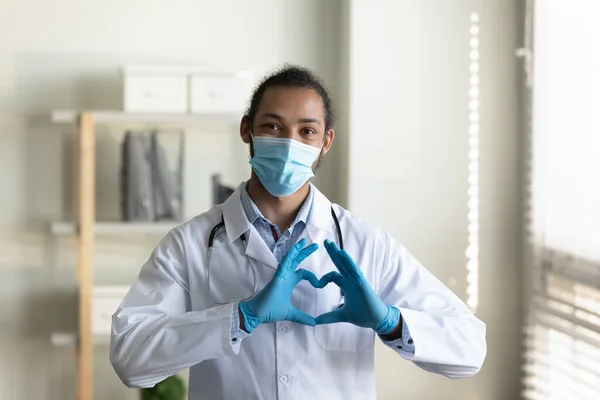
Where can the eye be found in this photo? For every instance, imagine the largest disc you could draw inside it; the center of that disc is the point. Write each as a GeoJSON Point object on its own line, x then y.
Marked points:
{"type": "Point", "coordinates": [308, 131]}
{"type": "Point", "coordinates": [270, 126]}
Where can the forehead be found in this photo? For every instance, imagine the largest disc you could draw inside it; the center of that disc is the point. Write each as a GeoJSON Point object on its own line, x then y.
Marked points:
{"type": "Point", "coordinates": [292, 102]}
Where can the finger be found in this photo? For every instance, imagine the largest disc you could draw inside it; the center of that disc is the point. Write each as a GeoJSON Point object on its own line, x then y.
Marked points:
{"type": "Point", "coordinates": [353, 269]}
{"type": "Point", "coordinates": [333, 252]}
{"type": "Point", "coordinates": [330, 317]}
{"type": "Point", "coordinates": [300, 317]}
{"type": "Point", "coordinates": [303, 274]}
{"type": "Point", "coordinates": [291, 255]}
{"type": "Point", "coordinates": [307, 251]}
{"type": "Point", "coordinates": [350, 267]}
{"type": "Point", "coordinates": [296, 248]}
{"type": "Point", "coordinates": [332, 276]}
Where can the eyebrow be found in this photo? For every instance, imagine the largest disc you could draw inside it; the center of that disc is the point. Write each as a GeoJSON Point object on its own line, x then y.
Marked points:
{"type": "Point", "coordinates": [309, 121]}
{"type": "Point", "coordinates": [301, 120]}
{"type": "Point", "coordinates": [273, 115]}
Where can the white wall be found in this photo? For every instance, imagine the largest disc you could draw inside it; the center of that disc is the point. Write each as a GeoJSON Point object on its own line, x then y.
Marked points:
{"type": "Point", "coordinates": [67, 54]}
{"type": "Point", "coordinates": [409, 119]}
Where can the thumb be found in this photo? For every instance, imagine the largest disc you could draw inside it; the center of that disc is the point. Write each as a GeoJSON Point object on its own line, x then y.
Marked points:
{"type": "Point", "coordinates": [330, 317]}
{"type": "Point", "coordinates": [307, 275]}
{"type": "Point", "coordinates": [332, 276]}
{"type": "Point", "coordinates": [300, 317]}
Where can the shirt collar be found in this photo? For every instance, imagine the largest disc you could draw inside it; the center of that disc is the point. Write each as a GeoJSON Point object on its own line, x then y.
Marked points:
{"type": "Point", "coordinates": [253, 213]}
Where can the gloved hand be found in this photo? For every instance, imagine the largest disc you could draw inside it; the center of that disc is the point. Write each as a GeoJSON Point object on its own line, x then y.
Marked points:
{"type": "Point", "coordinates": [272, 303]}
{"type": "Point", "coordinates": [362, 306]}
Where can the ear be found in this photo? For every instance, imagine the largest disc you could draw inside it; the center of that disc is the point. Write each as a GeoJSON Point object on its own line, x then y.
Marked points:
{"type": "Point", "coordinates": [329, 136]}
{"type": "Point", "coordinates": [245, 129]}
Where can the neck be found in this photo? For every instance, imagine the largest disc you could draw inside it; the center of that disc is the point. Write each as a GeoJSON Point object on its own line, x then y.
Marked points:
{"type": "Point", "coordinates": [279, 210]}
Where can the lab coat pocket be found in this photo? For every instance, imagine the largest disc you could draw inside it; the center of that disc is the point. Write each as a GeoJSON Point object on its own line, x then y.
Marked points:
{"type": "Point", "coordinates": [341, 336]}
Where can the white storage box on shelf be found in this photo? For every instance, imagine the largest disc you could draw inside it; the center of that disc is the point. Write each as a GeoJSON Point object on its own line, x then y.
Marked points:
{"type": "Point", "coordinates": [217, 92]}
{"type": "Point", "coordinates": [105, 301]}
{"type": "Point", "coordinates": [155, 89]}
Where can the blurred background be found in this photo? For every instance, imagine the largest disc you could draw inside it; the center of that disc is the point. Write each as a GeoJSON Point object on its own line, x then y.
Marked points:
{"type": "Point", "coordinates": [468, 129]}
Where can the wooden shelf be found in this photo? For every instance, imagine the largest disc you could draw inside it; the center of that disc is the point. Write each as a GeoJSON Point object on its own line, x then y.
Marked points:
{"type": "Point", "coordinates": [115, 116]}
{"type": "Point", "coordinates": [86, 228]}
{"type": "Point", "coordinates": [116, 228]}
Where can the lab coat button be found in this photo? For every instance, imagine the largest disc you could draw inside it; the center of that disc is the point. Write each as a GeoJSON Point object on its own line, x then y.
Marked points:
{"type": "Point", "coordinates": [284, 379]}
{"type": "Point", "coordinates": [410, 341]}
{"type": "Point", "coordinates": [284, 329]}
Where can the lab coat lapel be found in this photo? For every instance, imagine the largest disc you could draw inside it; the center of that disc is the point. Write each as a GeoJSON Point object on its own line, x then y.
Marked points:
{"type": "Point", "coordinates": [258, 249]}
{"type": "Point", "coordinates": [320, 222]}
{"type": "Point", "coordinates": [236, 224]}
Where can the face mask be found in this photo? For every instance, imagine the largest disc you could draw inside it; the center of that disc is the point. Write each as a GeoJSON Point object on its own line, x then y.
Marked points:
{"type": "Point", "coordinates": [282, 165]}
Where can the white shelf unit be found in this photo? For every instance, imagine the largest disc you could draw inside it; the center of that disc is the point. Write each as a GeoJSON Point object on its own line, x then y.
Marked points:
{"type": "Point", "coordinates": [85, 228]}
{"type": "Point", "coordinates": [69, 339]}
{"type": "Point", "coordinates": [116, 228]}
{"type": "Point", "coordinates": [116, 117]}
{"type": "Point", "coordinates": [105, 301]}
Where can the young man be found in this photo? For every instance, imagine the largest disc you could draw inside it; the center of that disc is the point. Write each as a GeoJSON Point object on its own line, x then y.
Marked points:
{"type": "Point", "coordinates": [280, 294]}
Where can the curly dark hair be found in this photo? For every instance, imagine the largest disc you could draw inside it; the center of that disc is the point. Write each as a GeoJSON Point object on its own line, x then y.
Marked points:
{"type": "Point", "coordinates": [293, 76]}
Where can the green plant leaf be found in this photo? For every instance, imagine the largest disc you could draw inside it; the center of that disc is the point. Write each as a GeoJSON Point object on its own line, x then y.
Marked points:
{"type": "Point", "coordinates": [172, 388]}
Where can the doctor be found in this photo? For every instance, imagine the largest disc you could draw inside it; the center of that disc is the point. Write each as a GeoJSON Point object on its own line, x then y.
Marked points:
{"type": "Point", "coordinates": [280, 294]}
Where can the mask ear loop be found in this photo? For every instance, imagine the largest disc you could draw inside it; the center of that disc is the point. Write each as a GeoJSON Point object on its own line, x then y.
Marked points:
{"type": "Point", "coordinates": [253, 141]}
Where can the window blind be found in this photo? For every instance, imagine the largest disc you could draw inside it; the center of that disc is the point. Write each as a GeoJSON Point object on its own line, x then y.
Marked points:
{"type": "Point", "coordinates": [562, 327]}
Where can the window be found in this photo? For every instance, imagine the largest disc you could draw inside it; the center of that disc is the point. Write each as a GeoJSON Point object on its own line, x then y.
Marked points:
{"type": "Point", "coordinates": [472, 252]}
{"type": "Point", "coordinates": [562, 338]}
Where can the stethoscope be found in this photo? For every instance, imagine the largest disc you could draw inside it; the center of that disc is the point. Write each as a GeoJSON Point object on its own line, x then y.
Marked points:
{"type": "Point", "coordinates": [215, 232]}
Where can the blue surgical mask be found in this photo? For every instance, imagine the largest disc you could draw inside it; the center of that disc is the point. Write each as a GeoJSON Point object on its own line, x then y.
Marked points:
{"type": "Point", "coordinates": [282, 165]}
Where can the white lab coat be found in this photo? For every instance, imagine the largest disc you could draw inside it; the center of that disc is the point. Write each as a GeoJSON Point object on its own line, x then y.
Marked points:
{"type": "Point", "coordinates": [169, 322]}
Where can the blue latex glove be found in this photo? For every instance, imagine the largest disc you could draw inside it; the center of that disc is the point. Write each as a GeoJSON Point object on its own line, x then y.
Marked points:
{"type": "Point", "coordinates": [272, 303]}
{"type": "Point", "coordinates": [362, 306]}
